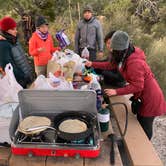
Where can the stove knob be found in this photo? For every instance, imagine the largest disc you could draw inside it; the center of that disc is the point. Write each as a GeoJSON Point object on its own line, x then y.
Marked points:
{"type": "Point", "coordinates": [30, 154]}
{"type": "Point", "coordinates": [53, 153]}
{"type": "Point", "coordinates": [66, 155]}
{"type": "Point", "coordinates": [77, 156]}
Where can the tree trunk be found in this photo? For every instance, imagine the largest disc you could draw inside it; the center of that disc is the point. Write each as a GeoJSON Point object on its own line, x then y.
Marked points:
{"type": "Point", "coordinates": [71, 21]}
{"type": "Point", "coordinates": [78, 7]}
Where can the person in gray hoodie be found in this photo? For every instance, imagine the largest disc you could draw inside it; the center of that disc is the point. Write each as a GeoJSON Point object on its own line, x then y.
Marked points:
{"type": "Point", "coordinates": [89, 34]}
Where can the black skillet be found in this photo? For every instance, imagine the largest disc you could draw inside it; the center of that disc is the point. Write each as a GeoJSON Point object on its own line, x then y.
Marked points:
{"type": "Point", "coordinates": [85, 117]}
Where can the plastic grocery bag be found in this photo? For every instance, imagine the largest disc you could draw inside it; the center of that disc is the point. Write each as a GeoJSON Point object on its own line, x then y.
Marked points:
{"type": "Point", "coordinates": [79, 62]}
{"type": "Point", "coordinates": [6, 112]}
{"type": "Point", "coordinates": [66, 64]}
{"type": "Point", "coordinates": [94, 84]}
{"type": "Point", "coordinates": [68, 70]}
{"type": "Point", "coordinates": [85, 53]}
{"type": "Point", "coordinates": [41, 82]}
{"type": "Point", "coordinates": [9, 87]}
{"type": "Point", "coordinates": [62, 38]}
{"type": "Point", "coordinates": [58, 55]}
{"type": "Point", "coordinates": [59, 83]}
{"type": "Point", "coordinates": [53, 67]}
{"type": "Point", "coordinates": [52, 82]}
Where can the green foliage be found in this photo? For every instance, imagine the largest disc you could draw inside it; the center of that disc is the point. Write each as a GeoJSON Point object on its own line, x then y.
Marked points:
{"type": "Point", "coordinates": [143, 41]}
{"type": "Point", "coordinates": [157, 61]}
{"type": "Point", "coordinates": [115, 7]}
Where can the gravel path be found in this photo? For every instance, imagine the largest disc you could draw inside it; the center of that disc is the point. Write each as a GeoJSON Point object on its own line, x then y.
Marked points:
{"type": "Point", "coordinates": [159, 137]}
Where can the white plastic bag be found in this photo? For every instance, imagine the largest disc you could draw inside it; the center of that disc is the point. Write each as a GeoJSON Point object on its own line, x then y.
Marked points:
{"type": "Point", "coordinates": [52, 83]}
{"type": "Point", "coordinates": [6, 112]}
{"type": "Point", "coordinates": [79, 62]}
{"type": "Point", "coordinates": [9, 87]}
{"type": "Point", "coordinates": [59, 83]}
{"type": "Point", "coordinates": [94, 84]}
{"type": "Point", "coordinates": [57, 55]}
{"type": "Point", "coordinates": [53, 67]}
{"type": "Point", "coordinates": [85, 53]}
{"type": "Point", "coordinates": [65, 85]}
{"type": "Point", "coordinates": [41, 82]}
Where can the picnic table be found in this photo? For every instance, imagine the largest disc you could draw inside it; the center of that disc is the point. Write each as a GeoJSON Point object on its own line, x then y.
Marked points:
{"type": "Point", "coordinates": [139, 149]}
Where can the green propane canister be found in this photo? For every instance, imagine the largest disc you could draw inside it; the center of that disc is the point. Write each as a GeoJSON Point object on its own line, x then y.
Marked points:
{"type": "Point", "coordinates": [104, 117]}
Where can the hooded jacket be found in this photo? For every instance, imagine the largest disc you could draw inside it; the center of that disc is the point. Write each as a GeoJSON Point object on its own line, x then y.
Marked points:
{"type": "Point", "coordinates": [12, 52]}
{"type": "Point", "coordinates": [141, 83]}
{"type": "Point", "coordinates": [89, 34]}
{"type": "Point", "coordinates": [41, 58]}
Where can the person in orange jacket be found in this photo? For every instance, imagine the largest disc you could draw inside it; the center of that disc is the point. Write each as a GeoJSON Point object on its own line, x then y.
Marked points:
{"type": "Point", "coordinates": [41, 46]}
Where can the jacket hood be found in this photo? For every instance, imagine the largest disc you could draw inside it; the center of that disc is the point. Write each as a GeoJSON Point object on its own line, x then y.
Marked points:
{"type": "Point", "coordinates": [89, 21]}
{"type": "Point", "coordinates": [137, 55]}
{"type": "Point", "coordinates": [10, 38]}
{"type": "Point", "coordinates": [35, 35]}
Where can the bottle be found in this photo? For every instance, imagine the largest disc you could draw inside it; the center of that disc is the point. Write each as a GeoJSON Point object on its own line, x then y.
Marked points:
{"type": "Point", "coordinates": [104, 118]}
{"type": "Point", "coordinates": [85, 53]}
{"type": "Point", "coordinates": [99, 99]}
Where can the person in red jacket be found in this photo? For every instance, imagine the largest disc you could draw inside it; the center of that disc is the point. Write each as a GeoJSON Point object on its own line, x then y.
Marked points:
{"type": "Point", "coordinates": [41, 46]}
{"type": "Point", "coordinates": [141, 83]}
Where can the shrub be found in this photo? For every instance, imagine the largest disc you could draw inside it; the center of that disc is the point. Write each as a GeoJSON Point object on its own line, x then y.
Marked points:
{"type": "Point", "coordinates": [157, 60]}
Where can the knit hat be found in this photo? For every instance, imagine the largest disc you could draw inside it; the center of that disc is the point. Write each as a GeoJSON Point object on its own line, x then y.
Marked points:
{"type": "Point", "coordinates": [88, 8]}
{"type": "Point", "coordinates": [41, 21]}
{"type": "Point", "coordinates": [120, 41]}
{"type": "Point", "coordinates": [7, 23]}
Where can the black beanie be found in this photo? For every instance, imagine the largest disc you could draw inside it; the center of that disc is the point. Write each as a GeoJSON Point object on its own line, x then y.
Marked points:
{"type": "Point", "coordinates": [41, 21]}
{"type": "Point", "coordinates": [88, 8]}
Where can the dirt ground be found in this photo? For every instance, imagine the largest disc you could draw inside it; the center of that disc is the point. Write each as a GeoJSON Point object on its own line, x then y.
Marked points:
{"type": "Point", "coordinates": [159, 137]}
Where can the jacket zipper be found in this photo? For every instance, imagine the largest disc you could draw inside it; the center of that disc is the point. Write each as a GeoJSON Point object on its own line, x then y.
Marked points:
{"type": "Point", "coordinates": [86, 35]}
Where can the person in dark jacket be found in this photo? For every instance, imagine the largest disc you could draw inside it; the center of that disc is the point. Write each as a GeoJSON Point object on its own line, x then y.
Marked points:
{"type": "Point", "coordinates": [89, 34]}
{"type": "Point", "coordinates": [131, 63]}
{"type": "Point", "coordinates": [12, 52]}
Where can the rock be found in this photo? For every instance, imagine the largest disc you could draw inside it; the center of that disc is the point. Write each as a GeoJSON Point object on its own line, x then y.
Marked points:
{"type": "Point", "coordinates": [159, 137]}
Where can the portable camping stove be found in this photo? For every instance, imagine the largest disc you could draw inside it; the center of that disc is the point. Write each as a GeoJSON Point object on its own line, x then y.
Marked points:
{"type": "Point", "coordinates": [51, 142]}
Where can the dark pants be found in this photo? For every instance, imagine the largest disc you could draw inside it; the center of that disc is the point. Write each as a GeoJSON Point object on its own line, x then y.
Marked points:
{"type": "Point", "coordinates": [92, 54]}
{"type": "Point", "coordinates": [147, 125]}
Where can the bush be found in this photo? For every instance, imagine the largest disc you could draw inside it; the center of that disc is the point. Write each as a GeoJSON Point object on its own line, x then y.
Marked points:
{"type": "Point", "coordinates": [157, 60]}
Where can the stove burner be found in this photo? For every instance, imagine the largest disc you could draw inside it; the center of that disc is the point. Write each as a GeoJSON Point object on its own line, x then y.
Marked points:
{"type": "Point", "coordinates": [51, 136]}
{"type": "Point", "coordinates": [88, 141]}
{"type": "Point", "coordinates": [27, 138]}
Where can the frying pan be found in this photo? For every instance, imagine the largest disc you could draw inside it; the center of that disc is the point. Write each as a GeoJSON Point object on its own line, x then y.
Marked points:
{"type": "Point", "coordinates": [85, 117]}
{"type": "Point", "coordinates": [34, 125]}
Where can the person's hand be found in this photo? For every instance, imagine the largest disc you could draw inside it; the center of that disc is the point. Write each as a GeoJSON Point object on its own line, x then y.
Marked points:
{"type": "Point", "coordinates": [88, 63]}
{"type": "Point", "coordinates": [41, 49]}
{"type": "Point", "coordinates": [2, 38]}
{"type": "Point", "coordinates": [100, 55]}
{"type": "Point", "coordinates": [110, 92]}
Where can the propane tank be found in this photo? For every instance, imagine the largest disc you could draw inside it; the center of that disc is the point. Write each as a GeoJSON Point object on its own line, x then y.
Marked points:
{"type": "Point", "coordinates": [99, 99]}
{"type": "Point", "coordinates": [104, 117]}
